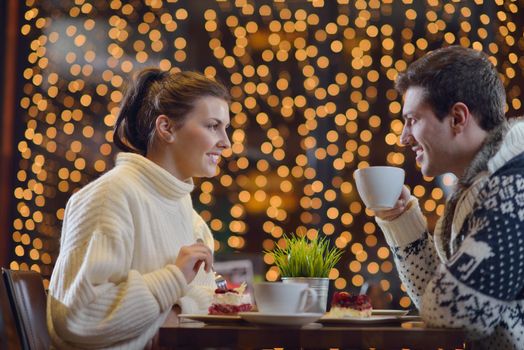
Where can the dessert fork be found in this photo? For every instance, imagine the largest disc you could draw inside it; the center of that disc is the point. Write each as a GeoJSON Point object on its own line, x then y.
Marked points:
{"type": "Point", "coordinates": [220, 281]}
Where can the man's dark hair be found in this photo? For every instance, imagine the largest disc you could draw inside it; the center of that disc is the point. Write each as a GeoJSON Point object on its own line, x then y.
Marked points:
{"type": "Point", "coordinates": [458, 74]}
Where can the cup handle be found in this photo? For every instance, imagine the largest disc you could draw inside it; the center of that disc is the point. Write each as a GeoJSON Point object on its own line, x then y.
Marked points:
{"type": "Point", "coordinates": [309, 299]}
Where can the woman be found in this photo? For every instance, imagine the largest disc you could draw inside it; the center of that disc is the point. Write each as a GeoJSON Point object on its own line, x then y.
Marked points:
{"type": "Point", "coordinates": [129, 248]}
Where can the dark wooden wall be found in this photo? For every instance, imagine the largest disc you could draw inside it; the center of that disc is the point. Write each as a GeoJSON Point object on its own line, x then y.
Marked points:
{"type": "Point", "coordinates": [10, 14]}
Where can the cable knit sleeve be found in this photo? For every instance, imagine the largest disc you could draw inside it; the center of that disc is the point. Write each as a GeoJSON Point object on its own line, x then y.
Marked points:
{"type": "Point", "coordinates": [407, 228]}
{"type": "Point", "coordinates": [95, 298]}
{"type": "Point", "coordinates": [413, 249]}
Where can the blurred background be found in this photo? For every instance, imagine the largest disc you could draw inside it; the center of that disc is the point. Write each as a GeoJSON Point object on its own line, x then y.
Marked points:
{"type": "Point", "coordinates": [313, 100]}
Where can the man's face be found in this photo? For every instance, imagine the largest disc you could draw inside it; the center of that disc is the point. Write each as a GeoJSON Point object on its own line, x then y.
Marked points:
{"type": "Point", "coordinates": [430, 138]}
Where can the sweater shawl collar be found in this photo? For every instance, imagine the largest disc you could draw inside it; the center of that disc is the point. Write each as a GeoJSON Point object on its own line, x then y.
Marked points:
{"type": "Point", "coordinates": [153, 176]}
{"type": "Point", "coordinates": [501, 145]}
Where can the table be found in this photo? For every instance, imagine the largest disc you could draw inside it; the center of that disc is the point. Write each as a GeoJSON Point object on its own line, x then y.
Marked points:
{"type": "Point", "coordinates": [194, 335]}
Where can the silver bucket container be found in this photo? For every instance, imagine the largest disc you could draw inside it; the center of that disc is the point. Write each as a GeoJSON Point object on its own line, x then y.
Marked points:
{"type": "Point", "coordinates": [319, 285]}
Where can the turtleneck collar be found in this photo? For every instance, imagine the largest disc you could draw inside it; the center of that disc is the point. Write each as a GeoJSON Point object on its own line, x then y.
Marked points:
{"type": "Point", "coordinates": [511, 146]}
{"type": "Point", "coordinates": [154, 176]}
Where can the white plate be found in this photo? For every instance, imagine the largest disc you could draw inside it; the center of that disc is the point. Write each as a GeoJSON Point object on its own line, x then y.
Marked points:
{"type": "Point", "coordinates": [362, 321]}
{"type": "Point", "coordinates": [279, 319]}
{"type": "Point", "coordinates": [385, 312]}
{"type": "Point", "coordinates": [212, 318]}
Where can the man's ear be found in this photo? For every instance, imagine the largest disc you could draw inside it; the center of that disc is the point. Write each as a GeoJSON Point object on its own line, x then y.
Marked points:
{"type": "Point", "coordinates": [165, 128]}
{"type": "Point", "coordinates": [460, 117]}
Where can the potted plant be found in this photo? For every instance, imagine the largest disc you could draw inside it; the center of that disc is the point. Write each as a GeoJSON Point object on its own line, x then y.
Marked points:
{"type": "Point", "coordinates": [307, 261]}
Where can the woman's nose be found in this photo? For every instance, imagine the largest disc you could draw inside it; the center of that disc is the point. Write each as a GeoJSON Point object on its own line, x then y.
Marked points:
{"type": "Point", "coordinates": [224, 142]}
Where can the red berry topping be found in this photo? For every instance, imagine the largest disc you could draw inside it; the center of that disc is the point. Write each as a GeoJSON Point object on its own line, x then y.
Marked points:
{"type": "Point", "coordinates": [224, 291]}
{"type": "Point", "coordinates": [344, 299]}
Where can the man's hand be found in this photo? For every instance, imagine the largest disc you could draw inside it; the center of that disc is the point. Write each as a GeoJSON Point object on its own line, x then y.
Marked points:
{"type": "Point", "coordinates": [191, 257]}
{"type": "Point", "coordinates": [400, 207]}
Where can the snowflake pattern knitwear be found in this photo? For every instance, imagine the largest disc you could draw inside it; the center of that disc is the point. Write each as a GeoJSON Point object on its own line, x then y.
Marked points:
{"type": "Point", "coordinates": [115, 281]}
{"type": "Point", "coordinates": [480, 287]}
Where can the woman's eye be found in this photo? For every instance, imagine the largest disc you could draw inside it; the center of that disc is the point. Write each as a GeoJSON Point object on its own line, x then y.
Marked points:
{"type": "Point", "coordinates": [213, 126]}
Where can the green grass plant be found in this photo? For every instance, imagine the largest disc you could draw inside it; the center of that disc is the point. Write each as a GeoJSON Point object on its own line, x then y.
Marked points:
{"type": "Point", "coordinates": [302, 257]}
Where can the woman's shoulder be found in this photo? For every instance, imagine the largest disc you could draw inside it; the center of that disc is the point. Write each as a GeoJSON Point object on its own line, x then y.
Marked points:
{"type": "Point", "coordinates": [105, 205]}
{"type": "Point", "coordinates": [111, 186]}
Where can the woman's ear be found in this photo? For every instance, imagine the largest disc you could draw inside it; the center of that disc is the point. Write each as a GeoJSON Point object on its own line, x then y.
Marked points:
{"type": "Point", "coordinates": [460, 117]}
{"type": "Point", "coordinates": [165, 128]}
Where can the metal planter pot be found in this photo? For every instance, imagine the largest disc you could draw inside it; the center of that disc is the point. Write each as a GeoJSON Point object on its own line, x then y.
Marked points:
{"type": "Point", "coordinates": [319, 284]}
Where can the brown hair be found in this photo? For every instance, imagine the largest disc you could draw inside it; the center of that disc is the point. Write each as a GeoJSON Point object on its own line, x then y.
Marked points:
{"type": "Point", "coordinates": [154, 92]}
{"type": "Point", "coordinates": [458, 74]}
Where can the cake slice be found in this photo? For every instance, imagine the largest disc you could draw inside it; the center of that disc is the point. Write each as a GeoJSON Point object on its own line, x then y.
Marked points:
{"type": "Point", "coordinates": [230, 301]}
{"type": "Point", "coordinates": [344, 304]}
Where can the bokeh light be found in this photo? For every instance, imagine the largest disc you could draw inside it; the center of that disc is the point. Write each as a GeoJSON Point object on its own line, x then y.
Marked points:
{"type": "Point", "coordinates": [313, 100]}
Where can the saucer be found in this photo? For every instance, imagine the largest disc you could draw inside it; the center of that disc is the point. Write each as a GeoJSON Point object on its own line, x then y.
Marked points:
{"type": "Point", "coordinates": [388, 312]}
{"type": "Point", "coordinates": [280, 319]}
{"type": "Point", "coordinates": [212, 318]}
{"type": "Point", "coordinates": [362, 321]}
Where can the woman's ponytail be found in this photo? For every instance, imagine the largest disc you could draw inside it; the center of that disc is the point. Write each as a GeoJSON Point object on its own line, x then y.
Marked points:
{"type": "Point", "coordinates": [129, 133]}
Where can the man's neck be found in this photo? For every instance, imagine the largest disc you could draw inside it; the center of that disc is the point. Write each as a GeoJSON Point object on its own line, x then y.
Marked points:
{"type": "Point", "coordinates": [470, 144]}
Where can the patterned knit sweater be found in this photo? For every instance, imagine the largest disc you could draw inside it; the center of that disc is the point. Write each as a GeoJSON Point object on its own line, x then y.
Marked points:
{"type": "Point", "coordinates": [115, 280]}
{"type": "Point", "coordinates": [480, 287]}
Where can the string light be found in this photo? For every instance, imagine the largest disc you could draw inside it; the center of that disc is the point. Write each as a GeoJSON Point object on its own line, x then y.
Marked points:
{"type": "Point", "coordinates": [313, 99]}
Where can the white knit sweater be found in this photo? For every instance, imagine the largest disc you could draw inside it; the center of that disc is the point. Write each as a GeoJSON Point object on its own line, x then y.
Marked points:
{"type": "Point", "coordinates": [481, 287]}
{"type": "Point", "coordinates": [115, 280]}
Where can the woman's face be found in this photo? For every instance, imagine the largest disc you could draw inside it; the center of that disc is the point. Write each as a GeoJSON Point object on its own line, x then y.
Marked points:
{"type": "Point", "coordinates": [198, 144]}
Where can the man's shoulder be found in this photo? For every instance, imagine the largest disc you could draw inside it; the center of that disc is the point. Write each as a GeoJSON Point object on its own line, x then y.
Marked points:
{"type": "Point", "coordinates": [502, 196]}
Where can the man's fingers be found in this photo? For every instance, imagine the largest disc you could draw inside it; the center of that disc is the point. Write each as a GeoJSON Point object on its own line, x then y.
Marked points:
{"type": "Point", "coordinates": [405, 194]}
{"type": "Point", "coordinates": [391, 213]}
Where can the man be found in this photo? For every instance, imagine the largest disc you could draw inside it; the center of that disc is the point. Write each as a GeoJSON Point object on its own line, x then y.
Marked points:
{"type": "Point", "coordinates": [470, 272]}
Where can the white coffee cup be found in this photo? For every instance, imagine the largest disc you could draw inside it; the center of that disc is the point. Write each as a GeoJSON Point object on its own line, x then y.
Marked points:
{"type": "Point", "coordinates": [284, 298]}
{"type": "Point", "coordinates": [379, 186]}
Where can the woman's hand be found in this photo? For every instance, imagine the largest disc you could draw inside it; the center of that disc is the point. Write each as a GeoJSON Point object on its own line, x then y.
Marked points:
{"type": "Point", "coordinates": [400, 207]}
{"type": "Point", "coordinates": [191, 257]}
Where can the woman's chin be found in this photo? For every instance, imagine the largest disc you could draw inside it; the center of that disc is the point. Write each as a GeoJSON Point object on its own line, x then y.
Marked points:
{"type": "Point", "coordinates": [208, 174]}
